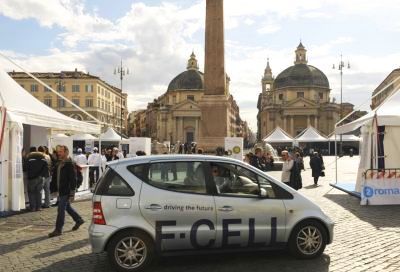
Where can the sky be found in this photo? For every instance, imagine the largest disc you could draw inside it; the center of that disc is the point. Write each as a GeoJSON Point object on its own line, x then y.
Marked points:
{"type": "Point", "coordinates": [155, 38]}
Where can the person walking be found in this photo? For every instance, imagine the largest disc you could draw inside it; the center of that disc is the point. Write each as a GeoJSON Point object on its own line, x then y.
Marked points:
{"type": "Point", "coordinates": [94, 161]}
{"type": "Point", "coordinates": [80, 159]}
{"type": "Point", "coordinates": [316, 167]}
{"type": "Point", "coordinates": [46, 180]}
{"type": "Point", "coordinates": [63, 184]}
{"type": "Point", "coordinates": [286, 167]}
{"type": "Point", "coordinates": [36, 170]}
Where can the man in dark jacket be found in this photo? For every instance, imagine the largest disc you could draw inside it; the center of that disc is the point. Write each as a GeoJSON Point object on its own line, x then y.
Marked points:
{"type": "Point", "coordinates": [64, 185]}
{"type": "Point", "coordinates": [316, 167]}
{"type": "Point", "coordinates": [36, 169]}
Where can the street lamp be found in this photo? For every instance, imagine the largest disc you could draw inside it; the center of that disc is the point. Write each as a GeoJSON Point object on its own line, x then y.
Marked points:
{"type": "Point", "coordinates": [340, 68]}
{"type": "Point", "coordinates": [60, 83]}
{"type": "Point", "coordinates": [122, 71]}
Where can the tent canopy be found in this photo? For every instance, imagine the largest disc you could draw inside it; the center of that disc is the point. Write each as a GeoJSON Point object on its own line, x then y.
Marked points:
{"type": "Point", "coordinates": [388, 114]}
{"type": "Point", "coordinates": [278, 135]}
{"type": "Point", "coordinates": [83, 137]}
{"type": "Point", "coordinates": [26, 109]}
{"type": "Point", "coordinates": [309, 135]}
{"type": "Point", "coordinates": [110, 136]}
{"type": "Point", "coordinates": [345, 138]}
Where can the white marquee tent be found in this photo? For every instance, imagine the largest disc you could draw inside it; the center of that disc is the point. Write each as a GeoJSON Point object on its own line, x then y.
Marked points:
{"type": "Point", "coordinates": [110, 136]}
{"type": "Point", "coordinates": [278, 135]}
{"type": "Point", "coordinates": [345, 138]}
{"type": "Point", "coordinates": [20, 108]}
{"type": "Point", "coordinates": [310, 135]}
{"type": "Point", "coordinates": [387, 115]}
{"type": "Point", "coordinates": [82, 137]}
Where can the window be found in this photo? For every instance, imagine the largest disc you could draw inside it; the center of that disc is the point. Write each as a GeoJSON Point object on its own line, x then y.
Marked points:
{"type": "Point", "coordinates": [190, 97]}
{"type": "Point", "coordinates": [174, 99]}
{"type": "Point", "coordinates": [89, 88]}
{"type": "Point", "coordinates": [61, 88]}
{"type": "Point", "coordinates": [321, 95]}
{"type": "Point", "coordinates": [113, 185]}
{"type": "Point", "coordinates": [34, 87]}
{"type": "Point", "coordinates": [300, 94]}
{"type": "Point", "coordinates": [234, 180]}
{"type": "Point", "coordinates": [187, 177]}
{"type": "Point", "coordinates": [60, 103]}
{"type": "Point", "coordinates": [98, 102]}
{"type": "Point", "coordinates": [75, 101]}
{"type": "Point", "coordinates": [47, 90]}
{"type": "Point", "coordinates": [89, 102]}
{"type": "Point", "coordinates": [280, 96]}
{"type": "Point", "coordinates": [75, 88]}
{"type": "Point", "coordinates": [98, 89]}
{"type": "Point", "coordinates": [48, 101]}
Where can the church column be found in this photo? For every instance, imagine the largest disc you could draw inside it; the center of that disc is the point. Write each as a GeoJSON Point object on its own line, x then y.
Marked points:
{"type": "Point", "coordinates": [181, 130]}
{"type": "Point", "coordinates": [308, 121]}
{"type": "Point", "coordinates": [316, 122]}
{"type": "Point", "coordinates": [285, 123]}
{"type": "Point", "coordinates": [196, 133]}
{"type": "Point", "coordinates": [292, 125]}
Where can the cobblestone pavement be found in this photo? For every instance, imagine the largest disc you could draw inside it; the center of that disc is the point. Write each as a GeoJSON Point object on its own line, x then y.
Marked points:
{"type": "Point", "coordinates": [366, 239]}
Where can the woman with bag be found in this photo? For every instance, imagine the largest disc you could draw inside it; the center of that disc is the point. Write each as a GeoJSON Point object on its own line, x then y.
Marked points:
{"type": "Point", "coordinates": [316, 167]}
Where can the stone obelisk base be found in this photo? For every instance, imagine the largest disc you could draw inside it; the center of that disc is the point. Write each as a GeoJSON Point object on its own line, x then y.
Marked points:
{"type": "Point", "coordinates": [214, 122]}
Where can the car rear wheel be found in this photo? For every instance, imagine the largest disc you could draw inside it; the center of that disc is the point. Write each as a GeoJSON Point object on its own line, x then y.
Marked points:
{"type": "Point", "coordinates": [131, 251]}
{"type": "Point", "coordinates": [308, 240]}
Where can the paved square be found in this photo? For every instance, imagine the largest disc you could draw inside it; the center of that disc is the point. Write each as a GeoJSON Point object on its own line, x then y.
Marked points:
{"type": "Point", "coordinates": [366, 238]}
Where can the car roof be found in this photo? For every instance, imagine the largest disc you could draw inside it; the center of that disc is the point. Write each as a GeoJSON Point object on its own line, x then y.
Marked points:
{"type": "Point", "coordinates": [171, 157]}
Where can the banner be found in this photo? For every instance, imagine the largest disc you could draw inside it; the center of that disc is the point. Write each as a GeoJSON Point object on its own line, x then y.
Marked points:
{"type": "Point", "coordinates": [381, 188]}
{"type": "Point", "coordinates": [234, 147]}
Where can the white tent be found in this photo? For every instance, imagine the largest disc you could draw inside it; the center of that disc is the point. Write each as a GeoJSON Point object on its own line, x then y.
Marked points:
{"type": "Point", "coordinates": [387, 117]}
{"type": "Point", "coordinates": [24, 109]}
{"type": "Point", "coordinates": [310, 135]}
{"type": "Point", "coordinates": [82, 137]}
{"type": "Point", "coordinates": [278, 135]}
{"type": "Point", "coordinates": [110, 136]}
{"type": "Point", "coordinates": [345, 138]}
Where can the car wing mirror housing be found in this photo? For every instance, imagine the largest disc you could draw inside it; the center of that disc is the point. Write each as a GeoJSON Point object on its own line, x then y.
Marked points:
{"type": "Point", "coordinates": [263, 193]}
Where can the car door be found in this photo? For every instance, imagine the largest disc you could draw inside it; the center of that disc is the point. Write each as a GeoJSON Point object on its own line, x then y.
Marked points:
{"type": "Point", "coordinates": [244, 218]}
{"type": "Point", "coordinates": [175, 201]}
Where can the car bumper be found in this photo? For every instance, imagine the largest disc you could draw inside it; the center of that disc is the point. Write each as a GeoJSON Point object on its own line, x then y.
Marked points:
{"type": "Point", "coordinates": [330, 226]}
{"type": "Point", "coordinates": [99, 236]}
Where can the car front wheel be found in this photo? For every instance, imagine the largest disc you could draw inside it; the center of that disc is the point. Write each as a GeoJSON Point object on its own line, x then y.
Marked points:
{"type": "Point", "coordinates": [308, 240]}
{"type": "Point", "coordinates": [131, 251]}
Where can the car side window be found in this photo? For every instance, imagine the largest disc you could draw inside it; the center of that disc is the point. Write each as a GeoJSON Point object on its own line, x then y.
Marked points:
{"type": "Point", "coordinates": [111, 184]}
{"type": "Point", "coordinates": [185, 177]}
{"type": "Point", "coordinates": [234, 180]}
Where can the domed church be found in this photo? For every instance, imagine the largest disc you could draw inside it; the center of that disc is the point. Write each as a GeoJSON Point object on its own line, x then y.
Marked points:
{"type": "Point", "coordinates": [297, 98]}
{"type": "Point", "coordinates": [176, 114]}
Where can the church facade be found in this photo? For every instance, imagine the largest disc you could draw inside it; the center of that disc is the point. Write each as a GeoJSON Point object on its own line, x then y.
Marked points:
{"type": "Point", "coordinates": [176, 114]}
{"type": "Point", "coordinates": [297, 98]}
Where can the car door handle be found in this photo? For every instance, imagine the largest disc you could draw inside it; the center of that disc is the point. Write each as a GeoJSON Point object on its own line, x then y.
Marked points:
{"type": "Point", "coordinates": [153, 207]}
{"type": "Point", "coordinates": [226, 209]}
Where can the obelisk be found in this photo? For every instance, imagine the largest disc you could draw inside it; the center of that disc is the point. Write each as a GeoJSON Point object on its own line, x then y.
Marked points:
{"type": "Point", "coordinates": [215, 102]}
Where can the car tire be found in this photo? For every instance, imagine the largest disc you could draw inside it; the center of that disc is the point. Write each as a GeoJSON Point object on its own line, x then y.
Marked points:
{"type": "Point", "coordinates": [131, 250]}
{"type": "Point", "coordinates": [308, 240]}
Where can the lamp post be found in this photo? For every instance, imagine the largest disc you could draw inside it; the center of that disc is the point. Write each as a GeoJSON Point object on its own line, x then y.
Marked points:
{"type": "Point", "coordinates": [122, 71]}
{"type": "Point", "coordinates": [340, 68]}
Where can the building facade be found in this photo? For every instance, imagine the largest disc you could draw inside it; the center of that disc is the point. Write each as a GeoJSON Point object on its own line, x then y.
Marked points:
{"type": "Point", "coordinates": [297, 98]}
{"type": "Point", "coordinates": [176, 115]}
{"type": "Point", "coordinates": [102, 100]}
{"type": "Point", "coordinates": [390, 84]}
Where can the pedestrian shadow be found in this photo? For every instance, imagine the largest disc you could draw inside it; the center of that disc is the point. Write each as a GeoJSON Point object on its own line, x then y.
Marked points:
{"type": "Point", "coordinates": [232, 262]}
{"type": "Point", "coordinates": [312, 186]}
{"type": "Point", "coordinates": [69, 247]}
{"type": "Point", "coordinates": [378, 216]}
{"type": "Point", "coordinates": [4, 249]}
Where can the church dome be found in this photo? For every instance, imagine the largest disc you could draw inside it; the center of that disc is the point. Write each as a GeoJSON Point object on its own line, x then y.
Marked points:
{"type": "Point", "coordinates": [191, 79]}
{"type": "Point", "coordinates": [301, 75]}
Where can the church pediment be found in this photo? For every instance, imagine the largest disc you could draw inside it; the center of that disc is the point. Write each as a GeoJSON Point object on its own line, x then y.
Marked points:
{"type": "Point", "coordinates": [300, 103]}
{"type": "Point", "coordinates": [187, 105]}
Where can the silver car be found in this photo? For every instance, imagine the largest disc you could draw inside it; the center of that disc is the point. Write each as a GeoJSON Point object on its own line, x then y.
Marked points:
{"type": "Point", "coordinates": [160, 205]}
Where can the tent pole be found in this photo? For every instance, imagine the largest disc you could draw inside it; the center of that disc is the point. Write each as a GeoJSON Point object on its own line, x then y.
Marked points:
{"type": "Point", "coordinates": [336, 171]}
